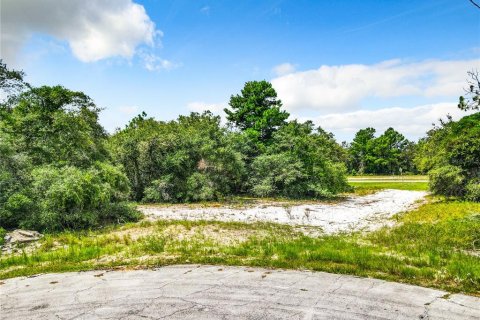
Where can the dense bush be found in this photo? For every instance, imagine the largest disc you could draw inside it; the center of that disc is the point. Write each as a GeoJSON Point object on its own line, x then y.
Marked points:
{"type": "Point", "coordinates": [55, 172]}
{"type": "Point", "coordinates": [453, 149]}
{"type": "Point", "coordinates": [447, 180]}
{"type": "Point", "coordinates": [69, 198]}
{"type": "Point", "coordinates": [472, 191]}
{"type": "Point", "coordinates": [277, 175]}
{"type": "Point", "coordinates": [54, 125]}
{"type": "Point", "coordinates": [195, 159]}
{"type": "Point", "coordinates": [301, 161]}
{"type": "Point", "coordinates": [56, 168]}
{"type": "Point", "coordinates": [190, 159]}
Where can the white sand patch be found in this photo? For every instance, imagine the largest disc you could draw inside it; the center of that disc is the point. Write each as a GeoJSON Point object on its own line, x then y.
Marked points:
{"type": "Point", "coordinates": [355, 213]}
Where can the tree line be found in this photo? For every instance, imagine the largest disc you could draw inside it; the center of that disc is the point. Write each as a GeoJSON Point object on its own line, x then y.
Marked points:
{"type": "Point", "coordinates": [60, 169]}
{"type": "Point", "coordinates": [389, 153]}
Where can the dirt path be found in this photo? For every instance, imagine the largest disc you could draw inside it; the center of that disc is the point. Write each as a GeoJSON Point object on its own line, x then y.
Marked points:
{"type": "Point", "coordinates": [355, 213]}
{"type": "Point", "coordinates": [214, 292]}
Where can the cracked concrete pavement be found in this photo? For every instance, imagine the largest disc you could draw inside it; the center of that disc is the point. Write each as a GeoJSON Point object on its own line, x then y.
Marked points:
{"type": "Point", "coordinates": [216, 292]}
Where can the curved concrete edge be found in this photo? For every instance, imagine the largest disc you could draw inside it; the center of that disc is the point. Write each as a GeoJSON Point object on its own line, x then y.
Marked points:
{"type": "Point", "coordinates": [215, 292]}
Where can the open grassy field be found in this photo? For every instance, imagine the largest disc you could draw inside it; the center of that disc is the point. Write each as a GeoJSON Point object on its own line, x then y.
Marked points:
{"type": "Point", "coordinates": [363, 188]}
{"type": "Point", "coordinates": [436, 245]}
{"type": "Point", "coordinates": [368, 184]}
{"type": "Point", "coordinates": [388, 178]}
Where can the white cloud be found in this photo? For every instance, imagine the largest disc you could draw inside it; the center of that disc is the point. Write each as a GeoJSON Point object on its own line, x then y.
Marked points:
{"type": "Point", "coordinates": [283, 69]}
{"type": "Point", "coordinates": [411, 122]}
{"type": "Point", "coordinates": [344, 87]}
{"type": "Point", "coordinates": [94, 30]}
{"type": "Point", "coordinates": [152, 62]}
{"type": "Point", "coordinates": [215, 108]}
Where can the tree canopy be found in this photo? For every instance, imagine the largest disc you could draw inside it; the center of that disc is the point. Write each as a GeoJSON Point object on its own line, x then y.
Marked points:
{"type": "Point", "coordinates": [55, 171]}
{"type": "Point", "coordinates": [389, 153]}
{"type": "Point", "coordinates": [257, 110]}
{"type": "Point", "coordinates": [453, 147]}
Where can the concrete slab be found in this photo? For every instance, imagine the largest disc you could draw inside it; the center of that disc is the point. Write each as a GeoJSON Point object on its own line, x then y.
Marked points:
{"type": "Point", "coordinates": [213, 292]}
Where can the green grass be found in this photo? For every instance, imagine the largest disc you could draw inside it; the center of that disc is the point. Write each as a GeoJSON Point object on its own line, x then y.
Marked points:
{"type": "Point", "coordinates": [390, 177]}
{"type": "Point", "coordinates": [363, 188]}
{"type": "Point", "coordinates": [364, 185]}
{"type": "Point", "coordinates": [436, 246]}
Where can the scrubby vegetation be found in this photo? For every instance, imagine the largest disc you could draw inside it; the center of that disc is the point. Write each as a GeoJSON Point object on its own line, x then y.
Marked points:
{"type": "Point", "coordinates": [434, 246]}
{"type": "Point", "coordinates": [60, 170]}
{"type": "Point", "coordinates": [194, 158]}
{"type": "Point", "coordinates": [451, 153]}
{"type": "Point", "coordinates": [55, 170]}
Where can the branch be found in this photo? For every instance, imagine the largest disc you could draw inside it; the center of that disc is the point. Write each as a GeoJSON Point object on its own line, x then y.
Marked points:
{"type": "Point", "coordinates": [475, 4]}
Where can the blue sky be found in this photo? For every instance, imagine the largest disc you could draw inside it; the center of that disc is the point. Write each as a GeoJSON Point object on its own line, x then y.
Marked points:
{"type": "Point", "coordinates": [344, 64]}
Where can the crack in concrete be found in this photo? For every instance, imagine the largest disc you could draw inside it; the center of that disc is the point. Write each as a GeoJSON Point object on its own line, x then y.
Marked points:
{"type": "Point", "coordinates": [208, 292]}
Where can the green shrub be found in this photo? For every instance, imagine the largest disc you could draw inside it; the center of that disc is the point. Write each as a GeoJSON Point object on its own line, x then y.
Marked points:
{"type": "Point", "coordinates": [200, 188]}
{"type": "Point", "coordinates": [70, 198]}
{"type": "Point", "coordinates": [447, 181]}
{"type": "Point", "coordinates": [277, 175]}
{"type": "Point", "coordinates": [473, 191]}
{"type": "Point", "coordinates": [3, 232]}
{"type": "Point", "coordinates": [301, 162]}
{"type": "Point", "coordinates": [189, 159]}
{"type": "Point", "coordinates": [16, 208]}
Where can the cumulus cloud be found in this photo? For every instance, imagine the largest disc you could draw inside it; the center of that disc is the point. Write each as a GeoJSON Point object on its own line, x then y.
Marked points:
{"type": "Point", "coordinates": [412, 122]}
{"type": "Point", "coordinates": [283, 69]}
{"type": "Point", "coordinates": [344, 87]}
{"type": "Point", "coordinates": [94, 30]}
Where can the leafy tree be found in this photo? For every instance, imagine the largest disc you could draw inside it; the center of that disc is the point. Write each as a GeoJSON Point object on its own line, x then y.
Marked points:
{"type": "Point", "coordinates": [54, 168]}
{"type": "Point", "coordinates": [360, 148]}
{"type": "Point", "coordinates": [257, 110]}
{"type": "Point", "coordinates": [11, 82]}
{"type": "Point", "coordinates": [56, 125]}
{"type": "Point", "coordinates": [15, 168]}
{"type": "Point", "coordinates": [385, 154]}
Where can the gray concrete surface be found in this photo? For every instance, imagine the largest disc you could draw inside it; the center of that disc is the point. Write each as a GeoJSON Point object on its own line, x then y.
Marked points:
{"type": "Point", "coordinates": [213, 292]}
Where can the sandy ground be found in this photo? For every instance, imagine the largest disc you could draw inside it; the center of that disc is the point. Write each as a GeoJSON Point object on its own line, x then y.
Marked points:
{"type": "Point", "coordinates": [356, 213]}
{"type": "Point", "coordinates": [217, 292]}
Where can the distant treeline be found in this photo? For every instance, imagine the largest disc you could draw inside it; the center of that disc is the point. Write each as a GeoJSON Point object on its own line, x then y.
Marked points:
{"type": "Point", "coordinates": [389, 153]}
{"type": "Point", "coordinates": [59, 169]}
